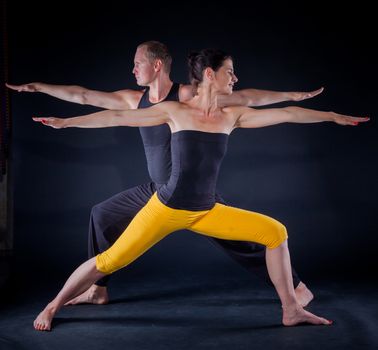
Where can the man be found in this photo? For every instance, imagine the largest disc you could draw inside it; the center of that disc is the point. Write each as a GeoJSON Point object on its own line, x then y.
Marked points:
{"type": "Point", "coordinates": [108, 219]}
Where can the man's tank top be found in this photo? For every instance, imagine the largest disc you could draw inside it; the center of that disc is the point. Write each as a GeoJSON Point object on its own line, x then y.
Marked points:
{"type": "Point", "coordinates": [157, 141]}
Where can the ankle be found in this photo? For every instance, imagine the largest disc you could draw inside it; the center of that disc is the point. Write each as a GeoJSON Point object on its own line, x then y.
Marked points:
{"type": "Point", "coordinates": [290, 307]}
{"type": "Point", "coordinates": [301, 286]}
{"type": "Point", "coordinates": [95, 287]}
{"type": "Point", "coordinates": [52, 307]}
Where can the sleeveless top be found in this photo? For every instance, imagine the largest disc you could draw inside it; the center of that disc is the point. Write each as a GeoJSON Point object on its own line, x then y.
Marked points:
{"type": "Point", "coordinates": [196, 160]}
{"type": "Point", "coordinates": [157, 141]}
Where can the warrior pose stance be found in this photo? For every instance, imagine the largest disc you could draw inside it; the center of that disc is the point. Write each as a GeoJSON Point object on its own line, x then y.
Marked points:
{"type": "Point", "coordinates": [200, 131]}
{"type": "Point", "coordinates": [109, 218]}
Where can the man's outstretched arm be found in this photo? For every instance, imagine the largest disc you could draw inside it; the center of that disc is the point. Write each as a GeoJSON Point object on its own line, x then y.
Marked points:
{"type": "Point", "coordinates": [123, 99]}
{"type": "Point", "coordinates": [255, 97]}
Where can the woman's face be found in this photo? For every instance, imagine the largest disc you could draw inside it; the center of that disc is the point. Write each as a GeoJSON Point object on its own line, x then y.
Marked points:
{"type": "Point", "coordinates": [225, 77]}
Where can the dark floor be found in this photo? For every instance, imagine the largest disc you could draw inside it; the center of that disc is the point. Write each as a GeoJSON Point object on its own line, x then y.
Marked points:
{"type": "Point", "coordinates": [192, 312]}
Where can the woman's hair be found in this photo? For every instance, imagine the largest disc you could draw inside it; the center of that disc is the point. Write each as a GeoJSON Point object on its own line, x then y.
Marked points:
{"type": "Point", "coordinates": [157, 50]}
{"type": "Point", "coordinates": [199, 61]}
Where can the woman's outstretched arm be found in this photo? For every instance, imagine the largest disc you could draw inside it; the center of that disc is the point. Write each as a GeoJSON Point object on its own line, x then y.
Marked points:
{"type": "Point", "coordinates": [257, 118]}
{"type": "Point", "coordinates": [155, 115]}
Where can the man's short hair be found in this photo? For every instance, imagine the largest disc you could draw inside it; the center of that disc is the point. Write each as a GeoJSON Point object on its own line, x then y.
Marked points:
{"type": "Point", "coordinates": [158, 50]}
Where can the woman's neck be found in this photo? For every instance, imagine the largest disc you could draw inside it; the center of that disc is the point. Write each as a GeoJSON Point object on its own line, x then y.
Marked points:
{"type": "Point", "coordinates": [206, 100]}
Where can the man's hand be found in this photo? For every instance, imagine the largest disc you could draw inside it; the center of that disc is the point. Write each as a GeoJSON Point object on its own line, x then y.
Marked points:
{"type": "Point", "coordinates": [300, 96]}
{"type": "Point", "coordinates": [32, 87]}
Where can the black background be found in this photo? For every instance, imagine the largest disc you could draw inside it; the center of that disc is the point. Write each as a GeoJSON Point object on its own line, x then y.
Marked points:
{"type": "Point", "coordinates": [320, 180]}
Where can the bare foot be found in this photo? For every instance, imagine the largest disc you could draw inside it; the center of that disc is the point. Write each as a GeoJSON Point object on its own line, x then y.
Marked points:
{"type": "Point", "coordinates": [43, 320]}
{"type": "Point", "coordinates": [94, 295]}
{"type": "Point", "coordinates": [303, 294]}
{"type": "Point", "coordinates": [297, 315]}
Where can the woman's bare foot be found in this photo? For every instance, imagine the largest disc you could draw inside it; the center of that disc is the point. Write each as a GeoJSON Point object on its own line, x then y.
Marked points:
{"type": "Point", "coordinates": [303, 294]}
{"type": "Point", "coordinates": [296, 315]}
{"type": "Point", "coordinates": [43, 320]}
{"type": "Point", "coordinates": [94, 295]}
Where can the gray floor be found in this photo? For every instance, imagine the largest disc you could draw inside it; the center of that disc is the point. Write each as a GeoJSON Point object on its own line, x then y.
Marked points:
{"type": "Point", "coordinates": [192, 312]}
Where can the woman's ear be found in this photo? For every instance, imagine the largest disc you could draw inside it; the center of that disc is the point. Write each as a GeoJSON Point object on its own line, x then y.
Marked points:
{"type": "Point", "coordinates": [208, 73]}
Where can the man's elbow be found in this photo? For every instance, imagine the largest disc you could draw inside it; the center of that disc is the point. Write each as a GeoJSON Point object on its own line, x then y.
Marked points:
{"type": "Point", "coordinates": [245, 100]}
{"type": "Point", "coordinates": [83, 97]}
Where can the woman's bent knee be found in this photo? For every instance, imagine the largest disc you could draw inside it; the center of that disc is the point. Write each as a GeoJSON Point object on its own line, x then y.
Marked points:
{"type": "Point", "coordinates": [280, 236]}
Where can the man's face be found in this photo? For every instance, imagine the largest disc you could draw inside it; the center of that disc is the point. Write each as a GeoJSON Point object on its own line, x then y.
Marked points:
{"type": "Point", "coordinates": [143, 70]}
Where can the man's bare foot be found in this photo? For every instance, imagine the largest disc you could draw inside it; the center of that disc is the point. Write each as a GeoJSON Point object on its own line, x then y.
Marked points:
{"type": "Point", "coordinates": [94, 295]}
{"type": "Point", "coordinates": [303, 294]}
{"type": "Point", "coordinates": [43, 320]}
{"type": "Point", "coordinates": [297, 315]}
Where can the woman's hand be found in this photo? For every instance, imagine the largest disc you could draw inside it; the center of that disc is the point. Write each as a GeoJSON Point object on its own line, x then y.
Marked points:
{"type": "Point", "coordinates": [56, 123]}
{"type": "Point", "coordinates": [347, 120]}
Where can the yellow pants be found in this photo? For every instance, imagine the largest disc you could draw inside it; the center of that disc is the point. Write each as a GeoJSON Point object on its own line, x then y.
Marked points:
{"type": "Point", "coordinates": [155, 221]}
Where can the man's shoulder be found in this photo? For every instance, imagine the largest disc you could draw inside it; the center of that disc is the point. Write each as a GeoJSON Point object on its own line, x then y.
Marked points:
{"type": "Point", "coordinates": [185, 92]}
{"type": "Point", "coordinates": [130, 92]}
{"type": "Point", "coordinates": [130, 96]}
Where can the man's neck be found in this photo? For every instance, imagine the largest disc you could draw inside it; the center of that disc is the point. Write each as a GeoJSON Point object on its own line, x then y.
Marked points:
{"type": "Point", "coordinates": [159, 89]}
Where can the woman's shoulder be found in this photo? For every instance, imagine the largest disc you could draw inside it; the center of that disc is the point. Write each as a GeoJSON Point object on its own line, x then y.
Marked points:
{"type": "Point", "coordinates": [173, 104]}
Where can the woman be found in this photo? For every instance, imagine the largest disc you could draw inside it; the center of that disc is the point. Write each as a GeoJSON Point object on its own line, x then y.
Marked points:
{"type": "Point", "coordinates": [200, 132]}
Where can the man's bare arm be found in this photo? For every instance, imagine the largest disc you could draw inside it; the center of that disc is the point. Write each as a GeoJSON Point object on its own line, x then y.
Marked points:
{"type": "Point", "coordinates": [255, 97]}
{"type": "Point", "coordinates": [122, 99]}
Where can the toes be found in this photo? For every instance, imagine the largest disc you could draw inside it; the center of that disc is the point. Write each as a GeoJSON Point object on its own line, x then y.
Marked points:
{"type": "Point", "coordinates": [40, 326]}
{"type": "Point", "coordinates": [321, 320]}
